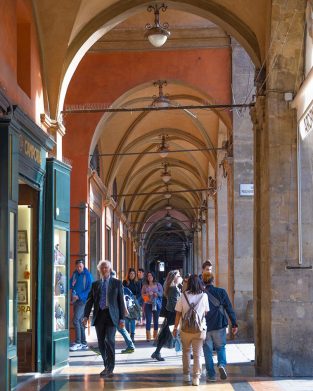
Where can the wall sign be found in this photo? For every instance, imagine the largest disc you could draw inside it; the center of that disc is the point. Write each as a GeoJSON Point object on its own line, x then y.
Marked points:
{"type": "Point", "coordinates": [28, 149]}
{"type": "Point", "coordinates": [306, 122]}
{"type": "Point", "coordinates": [246, 189]}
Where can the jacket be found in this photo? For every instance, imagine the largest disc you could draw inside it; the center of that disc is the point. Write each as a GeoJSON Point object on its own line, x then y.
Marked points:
{"type": "Point", "coordinates": [215, 320]}
{"type": "Point", "coordinates": [172, 297]}
{"type": "Point", "coordinates": [115, 299]}
{"type": "Point", "coordinates": [81, 283]}
{"type": "Point", "coordinates": [132, 286]}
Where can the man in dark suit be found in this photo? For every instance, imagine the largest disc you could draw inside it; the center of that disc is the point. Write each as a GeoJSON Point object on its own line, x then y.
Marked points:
{"type": "Point", "coordinates": [106, 296]}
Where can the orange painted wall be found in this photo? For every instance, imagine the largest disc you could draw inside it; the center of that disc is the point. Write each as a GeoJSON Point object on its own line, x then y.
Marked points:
{"type": "Point", "coordinates": [104, 77]}
{"type": "Point", "coordinates": [14, 12]}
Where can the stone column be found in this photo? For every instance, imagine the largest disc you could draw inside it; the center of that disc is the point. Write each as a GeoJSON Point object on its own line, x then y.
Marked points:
{"type": "Point", "coordinates": [222, 216]}
{"type": "Point", "coordinates": [284, 315]}
{"type": "Point", "coordinates": [211, 233]}
{"type": "Point", "coordinates": [243, 82]}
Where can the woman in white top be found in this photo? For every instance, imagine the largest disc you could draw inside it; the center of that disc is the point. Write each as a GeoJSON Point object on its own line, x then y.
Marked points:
{"type": "Point", "coordinates": [191, 309]}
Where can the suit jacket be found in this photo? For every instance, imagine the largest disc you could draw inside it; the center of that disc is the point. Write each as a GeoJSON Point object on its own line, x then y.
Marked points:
{"type": "Point", "coordinates": [115, 298]}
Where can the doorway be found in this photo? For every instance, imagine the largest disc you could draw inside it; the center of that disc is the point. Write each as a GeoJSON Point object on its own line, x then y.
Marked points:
{"type": "Point", "coordinates": [27, 279]}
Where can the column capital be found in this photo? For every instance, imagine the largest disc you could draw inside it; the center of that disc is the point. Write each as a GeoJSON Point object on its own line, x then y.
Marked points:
{"type": "Point", "coordinates": [52, 125]}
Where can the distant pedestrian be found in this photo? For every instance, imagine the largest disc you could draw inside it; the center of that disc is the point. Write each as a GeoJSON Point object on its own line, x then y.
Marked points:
{"type": "Point", "coordinates": [106, 296]}
{"type": "Point", "coordinates": [185, 282]}
{"type": "Point", "coordinates": [80, 285]}
{"type": "Point", "coordinates": [171, 294]}
{"type": "Point", "coordinates": [152, 293]}
{"type": "Point", "coordinates": [190, 310]}
{"type": "Point", "coordinates": [140, 281]}
{"type": "Point", "coordinates": [130, 346]}
{"type": "Point", "coordinates": [217, 322]}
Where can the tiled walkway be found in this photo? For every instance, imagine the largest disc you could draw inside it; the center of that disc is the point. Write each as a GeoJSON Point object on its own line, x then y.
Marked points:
{"type": "Point", "coordinates": [138, 371]}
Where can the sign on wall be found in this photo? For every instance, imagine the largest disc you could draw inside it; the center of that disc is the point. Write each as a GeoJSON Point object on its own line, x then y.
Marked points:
{"type": "Point", "coordinates": [246, 189]}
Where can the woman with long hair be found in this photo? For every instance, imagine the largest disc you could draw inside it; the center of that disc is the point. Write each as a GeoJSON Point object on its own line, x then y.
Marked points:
{"type": "Point", "coordinates": [133, 286]}
{"type": "Point", "coordinates": [171, 294]}
{"type": "Point", "coordinates": [152, 293]}
{"type": "Point", "coordinates": [192, 307]}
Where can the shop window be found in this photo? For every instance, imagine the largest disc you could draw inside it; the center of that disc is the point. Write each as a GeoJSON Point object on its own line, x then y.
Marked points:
{"type": "Point", "coordinates": [95, 241]}
{"type": "Point", "coordinates": [95, 160]}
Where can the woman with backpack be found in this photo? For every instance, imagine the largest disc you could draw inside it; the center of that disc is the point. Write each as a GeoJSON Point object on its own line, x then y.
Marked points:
{"type": "Point", "coordinates": [191, 309]}
{"type": "Point", "coordinates": [171, 294]}
{"type": "Point", "coordinates": [132, 285]}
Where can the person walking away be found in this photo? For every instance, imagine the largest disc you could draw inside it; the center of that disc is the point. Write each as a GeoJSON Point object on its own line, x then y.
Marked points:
{"type": "Point", "coordinates": [107, 299]}
{"type": "Point", "coordinates": [171, 294]}
{"type": "Point", "coordinates": [217, 322]}
{"type": "Point", "coordinates": [152, 293]}
{"type": "Point", "coordinates": [130, 347]}
{"type": "Point", "coordinates": [80, 285]}
{"type": "Point", "coordinates": [191, 309]}
{"type": "Point", "coordinates": [133, 286]}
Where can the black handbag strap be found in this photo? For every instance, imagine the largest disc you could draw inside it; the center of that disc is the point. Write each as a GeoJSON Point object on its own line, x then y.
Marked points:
{"type": "Point", "coordinates": [215, 302]}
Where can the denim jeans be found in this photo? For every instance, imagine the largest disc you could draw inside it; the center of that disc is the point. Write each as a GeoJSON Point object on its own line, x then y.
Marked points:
{"type": "Point", "coordinates": [130, 325]}
{"type": "Point", "coordinates": [149, 314]}
{"type": "Point", "coordinates": [78, 309]}
{"type": "Point", "coordinates": [127, 339]}
{"type": "Point", "coordinates": [218, 338]}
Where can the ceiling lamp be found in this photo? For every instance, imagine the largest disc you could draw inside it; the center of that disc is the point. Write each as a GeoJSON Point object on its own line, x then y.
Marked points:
{"type": "Point", "coordinates": [157, 34]}
{"type": "Point", "coordinates": [161, 100]}
{"type": "Point", "coordinates": [168, 216]}
{"type": "Point", "coordinates": [166, 176]}
{"type": "Point", "coordinates": [163, 148]}
{"type": "Point", "coordinates": [167, 195]}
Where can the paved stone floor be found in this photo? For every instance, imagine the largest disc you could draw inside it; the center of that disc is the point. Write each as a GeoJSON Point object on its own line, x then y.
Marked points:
{"type": "Point", "coordinates": [138, 371]}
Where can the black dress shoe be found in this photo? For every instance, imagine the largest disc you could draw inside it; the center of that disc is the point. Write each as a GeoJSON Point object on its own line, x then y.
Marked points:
{"type": "Point", "coordinates": [109, 374]}
{"type": "Point", "coordinates": [157, 356]}
{"type": "Point", "coordinates": [104, 372]}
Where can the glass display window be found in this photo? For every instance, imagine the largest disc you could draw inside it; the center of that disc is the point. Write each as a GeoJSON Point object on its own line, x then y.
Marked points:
{"type": "Point", "coordinates": [60, 280]}
{"type": "Point", "coordinates": [11, 317]}
{"type": "Point", "coordinates": [24, 266]}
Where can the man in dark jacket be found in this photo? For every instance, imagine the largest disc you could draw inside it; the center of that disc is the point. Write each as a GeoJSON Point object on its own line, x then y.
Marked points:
{"type": "Point", "coordinates": [217, 322]}
{"type": "Point", "coordinates": [106, 296]}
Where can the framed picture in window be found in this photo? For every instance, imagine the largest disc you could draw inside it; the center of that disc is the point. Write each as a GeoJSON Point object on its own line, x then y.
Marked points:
{"type": "Point", "coordinates": [22, 292]}
{"type": "Point", "coordinates": [22, 242]}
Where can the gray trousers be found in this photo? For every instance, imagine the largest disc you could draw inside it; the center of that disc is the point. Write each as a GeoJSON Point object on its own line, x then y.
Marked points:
{"type": "Point", "coordinates": [79, 308]}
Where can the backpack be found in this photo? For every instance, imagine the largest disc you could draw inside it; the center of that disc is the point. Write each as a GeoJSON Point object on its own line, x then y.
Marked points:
{"type": "Point", "coordinates": [191, 322]}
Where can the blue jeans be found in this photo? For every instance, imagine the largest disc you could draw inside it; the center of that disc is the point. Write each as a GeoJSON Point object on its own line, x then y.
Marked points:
{"type": "Point", "coordinates": [78, 309]}
{"type": "Point", "coordinates": [149, 314]}
{"type": "Point", "coordinates": [218, 338]}
{"type": "Point", "coordinates": [127, 339]}
{"type": "Point", "coordinates": [130, 325]}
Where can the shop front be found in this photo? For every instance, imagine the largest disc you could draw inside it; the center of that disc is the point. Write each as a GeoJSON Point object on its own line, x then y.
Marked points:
{"type": "Point", "coordinates": [25, 228]}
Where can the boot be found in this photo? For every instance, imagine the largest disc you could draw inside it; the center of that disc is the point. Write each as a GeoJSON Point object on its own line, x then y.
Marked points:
{"type": "Point", "coordinates": [155, 334]}
{"type": "Point", "coordinates": [148, 336]}
{"type": "Point", "coordinates": [132, 336]}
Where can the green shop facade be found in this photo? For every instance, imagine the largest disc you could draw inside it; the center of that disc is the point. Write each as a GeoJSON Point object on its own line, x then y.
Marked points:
{"type": "Point", "coordinates": [34, 250]}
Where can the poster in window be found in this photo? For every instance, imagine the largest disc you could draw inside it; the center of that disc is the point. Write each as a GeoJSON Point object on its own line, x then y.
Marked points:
{"type": "Point", "coordinates": [22, 242]}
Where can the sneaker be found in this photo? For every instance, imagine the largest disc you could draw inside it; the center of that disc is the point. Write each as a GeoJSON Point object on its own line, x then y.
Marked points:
{"type": "Point", "coordinates": [84, 346]}
{"type": "Point", "coordinates": [223, 373]}
{"type": "Point", "coordinates": [210, 379]}
{"type": "Point", "coordinates": [128, 350]}
{"type": "Point", "coordinates": [186, 378]}
{"type": "Point", "coordinates": [76, 346]}
{"type": "Point", "coordinates": [195, 381]}
{"type": "Point", "coordinates": [157, 356]}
